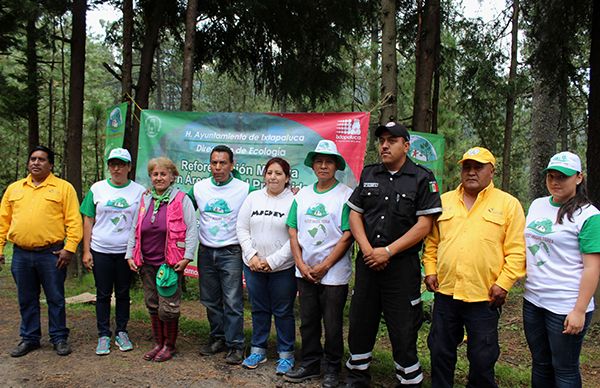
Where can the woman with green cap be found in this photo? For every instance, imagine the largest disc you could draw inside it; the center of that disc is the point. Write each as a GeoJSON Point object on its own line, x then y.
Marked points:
{"type": "Point", "coordinates": [107, 211]}
{"type": "Point", "coordinates": [161, 245]}
{"type": "Point", "coordinates": [562, 235]}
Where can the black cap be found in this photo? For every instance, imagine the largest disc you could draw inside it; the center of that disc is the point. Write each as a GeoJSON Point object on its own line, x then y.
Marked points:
{"type": "Point", "coordinates": [396, 129]}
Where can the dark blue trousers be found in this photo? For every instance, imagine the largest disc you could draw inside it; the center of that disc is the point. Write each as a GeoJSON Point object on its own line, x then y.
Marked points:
{"type": "Point", "coordinates": [450, 318]}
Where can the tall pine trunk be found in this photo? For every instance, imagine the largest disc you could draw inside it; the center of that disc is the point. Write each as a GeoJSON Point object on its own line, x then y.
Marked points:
{"type": "Point", "coordinates": [545, 118]}
{"type": "Point", "coordinates": [429, 23]}
{"type": "Point", "coordinates": [389, 66]}
{"type": "Point", "coordinates": [126, 75]}
{"type": "Point", "coordinates": [75, 123]}
{"type": "Point", "coordinates": [33, 94]}
{"type": "Point", "coordinates": [510, 98]}
{"type": "Point", "coordinates": [187, 81]}
{"type": "Point", "coordinates": [593, 145]}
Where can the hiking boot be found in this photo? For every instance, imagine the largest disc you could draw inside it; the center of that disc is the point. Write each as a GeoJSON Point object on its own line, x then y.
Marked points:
{"type": "Point", "coordinates": [216, 345]}
{"type": "Point", "coordinates": [234, 356]}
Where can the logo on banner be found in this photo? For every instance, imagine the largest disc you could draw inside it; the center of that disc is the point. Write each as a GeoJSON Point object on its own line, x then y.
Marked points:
{"type": "Point", "coordinates": [152, 126]}
{"type": "Point", "coordinates": [421, 149]}
{"type": "Point", "coordinates": [115, 120]}
{"type": "Point", "coordinates": [348, 130]}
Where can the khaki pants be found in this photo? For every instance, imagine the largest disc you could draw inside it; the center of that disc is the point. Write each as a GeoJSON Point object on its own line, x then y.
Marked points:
{"type": "Point", "coordinates": [167, 308]}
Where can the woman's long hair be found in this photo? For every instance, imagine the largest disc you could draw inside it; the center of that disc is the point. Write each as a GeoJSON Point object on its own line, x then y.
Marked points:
{"type": "Point", "coordinates": [579, 200]}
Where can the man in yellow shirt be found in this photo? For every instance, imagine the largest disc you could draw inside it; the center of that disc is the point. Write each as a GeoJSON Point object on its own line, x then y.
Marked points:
{"type": "Point", "coordinates": [473, 255]}
{"type": "Point", "coordinates": [40, 216]}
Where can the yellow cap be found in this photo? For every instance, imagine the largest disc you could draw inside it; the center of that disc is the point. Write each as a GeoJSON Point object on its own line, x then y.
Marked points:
{"type": "Point", "coordinates": [479, 154]}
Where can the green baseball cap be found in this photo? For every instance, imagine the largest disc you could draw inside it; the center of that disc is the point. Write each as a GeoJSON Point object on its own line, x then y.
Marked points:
{"type": "Point", "coordinates": [166, 281]}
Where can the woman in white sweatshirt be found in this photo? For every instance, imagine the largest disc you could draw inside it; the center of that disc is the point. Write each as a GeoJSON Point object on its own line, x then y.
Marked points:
{"type": "Point", "coordinates": [269, 265]}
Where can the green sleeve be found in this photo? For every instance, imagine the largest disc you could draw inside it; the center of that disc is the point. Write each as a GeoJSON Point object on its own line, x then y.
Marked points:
{"type": "Point", "coordinates": [589, 237]}
{"type": "Point", "coordinates": [292, 219]}
{"type": "Point", "coordinates": [87, 207]}
{"type": "Point", "coordinates": [346, 217]}
{"type": "Point", "coordinates": [193, 198]}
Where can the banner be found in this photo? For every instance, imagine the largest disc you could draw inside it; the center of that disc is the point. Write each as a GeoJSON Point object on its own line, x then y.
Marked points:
{"type": "Point", "coordinates": [427, 149]}
{"type": "Point", "coordinates": [115, 130]}
{"type": "Point", "coordinates": [188, 137]}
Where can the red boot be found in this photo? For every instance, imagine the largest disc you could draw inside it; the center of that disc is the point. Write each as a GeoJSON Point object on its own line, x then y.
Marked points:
{"type": "Point", "coordinates": [159, 337]}
{"type": "Point", "coordinates": [171, 329]}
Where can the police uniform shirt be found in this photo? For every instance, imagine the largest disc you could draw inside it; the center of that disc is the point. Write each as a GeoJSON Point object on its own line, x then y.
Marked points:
{"type": "Point", "coordinates": [391, 203]}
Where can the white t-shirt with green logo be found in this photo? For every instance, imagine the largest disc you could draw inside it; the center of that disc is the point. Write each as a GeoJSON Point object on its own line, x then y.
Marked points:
{"type": "Point", "coordinates": [554, 254]}
{"type": "Point", "coordinates": [113, 208]}
{"type": "Point", "coordinates": [321, 219]}
{"type": "Point", "coordinates": [218, 205]}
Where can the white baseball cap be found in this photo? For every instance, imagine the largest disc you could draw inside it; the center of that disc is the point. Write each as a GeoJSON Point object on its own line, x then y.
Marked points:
{"type": "Point", "coordinates": [566, 162]}
{"type": "Point", "coordinates": [121, 154]}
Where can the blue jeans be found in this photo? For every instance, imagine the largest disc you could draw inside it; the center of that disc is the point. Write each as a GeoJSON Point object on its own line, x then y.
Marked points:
{"type": "Point", "coordinates": [111, 271]}
{"type": "Point", "coordinates": [272, 294]}
{"type": "Point", "coordinates": [30, 269]}
{"type": "Point", "coordinates": [220, 272]}
{"type": "Point", "coordinates": [450, 318]}
{"type": "Point", "coordinates": [555, 356]}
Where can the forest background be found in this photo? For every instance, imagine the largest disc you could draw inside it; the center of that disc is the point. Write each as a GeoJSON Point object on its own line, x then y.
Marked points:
{"type": "Point", "coordinates": [524, 83]}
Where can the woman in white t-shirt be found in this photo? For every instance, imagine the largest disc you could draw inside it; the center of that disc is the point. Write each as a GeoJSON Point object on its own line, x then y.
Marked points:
{"type": "Point", "coordinates": [562, 235]}
{"type": "Point", "coordinates": [269, 265]}
{"type": "Point", "coordinates": [108, 210]}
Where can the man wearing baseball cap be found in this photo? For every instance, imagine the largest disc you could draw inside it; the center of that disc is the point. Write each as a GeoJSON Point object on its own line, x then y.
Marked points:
{"type": "Point", "coordinates": [473, 255]}
{"type": "Point", "coordinates": [393, 209]}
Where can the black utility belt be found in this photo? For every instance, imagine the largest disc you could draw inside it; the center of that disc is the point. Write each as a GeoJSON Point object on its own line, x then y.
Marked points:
{"type": "Point", "coordinates": [53, 246]}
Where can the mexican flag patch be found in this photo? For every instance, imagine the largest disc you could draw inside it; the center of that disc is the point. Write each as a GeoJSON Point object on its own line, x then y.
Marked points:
{"type": "Point", "coordinates": [433, 187]}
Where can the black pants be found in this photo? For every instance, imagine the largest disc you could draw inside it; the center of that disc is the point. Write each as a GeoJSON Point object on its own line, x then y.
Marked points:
{"type": "Point", "coordinates": [395, 293]}
{"type": "Point", "coordinates": [321, 302]}
{"type": "Point", "coordinates": [111, 271]}
{"type": "Point", "coordinates": [450, 317]}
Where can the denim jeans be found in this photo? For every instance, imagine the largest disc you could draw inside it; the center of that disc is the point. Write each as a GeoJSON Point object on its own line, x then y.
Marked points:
{"type": "Point", "coordinates": [111, 272]}
{"type": "Point", "coordinates": [272, 294]}
{"type": "Point", "coordinates": [450, 316]}
{"type": "Point", "coordinates": [220, 272]}
{"type": "Point", "coordinates": [555, 356]}
{"type": "Point", "coordinates": [318, 303]}
{"type": "Point", "coordinates": [30, 269]}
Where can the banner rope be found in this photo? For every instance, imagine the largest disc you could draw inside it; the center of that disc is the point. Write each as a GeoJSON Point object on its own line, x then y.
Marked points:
{"type": "Point", "coordinates": [133, 110]}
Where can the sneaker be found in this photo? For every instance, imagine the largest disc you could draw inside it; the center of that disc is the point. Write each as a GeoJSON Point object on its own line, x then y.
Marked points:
{"type": "Point", "coordinates": [284, 365]}
{"type": "Point", "coordinates": [234, 356]}
{"type": "Point", "coordinates": [103, 347]}
{"type": "Point", "coordinates": [123, 342]}
{"type": "Point", "coordinates": [252, 361]}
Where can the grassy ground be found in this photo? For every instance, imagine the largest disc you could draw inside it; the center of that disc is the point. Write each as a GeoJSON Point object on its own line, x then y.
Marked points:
{"type": "Point", "coordinates": [512, 370]}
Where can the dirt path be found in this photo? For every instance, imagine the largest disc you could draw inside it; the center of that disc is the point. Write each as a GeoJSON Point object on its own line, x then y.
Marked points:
{"type": "Point", "coordinates": [83, 368]}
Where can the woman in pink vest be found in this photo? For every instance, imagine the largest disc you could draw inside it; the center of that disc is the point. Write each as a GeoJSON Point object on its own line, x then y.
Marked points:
{"type": "Point", "coordinates": [161, 245]}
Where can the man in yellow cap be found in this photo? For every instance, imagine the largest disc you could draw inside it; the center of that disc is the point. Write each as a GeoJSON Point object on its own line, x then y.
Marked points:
{"type": "Point", "coordinates": [473, 255]}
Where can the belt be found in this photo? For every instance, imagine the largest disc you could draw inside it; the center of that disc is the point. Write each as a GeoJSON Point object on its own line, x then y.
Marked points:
{"type": "Point", "coordinates": [53, 246]}
{"type": "Point", "coordinates": [224, 247]}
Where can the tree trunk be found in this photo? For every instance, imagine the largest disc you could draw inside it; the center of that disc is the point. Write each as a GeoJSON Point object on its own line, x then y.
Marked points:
{"type": "Point", "coordinates": [373, 83]}
{"type": "Point", "coordinates": [159, 79]}
{"type": "Point", "coordinates": [51, 103]}
{"type": "Point", "coordinates": [593, 144]}
{"type": "Point", "coordinates": [545, 117]}
{"type": "Point", "coordinates": [126, 77]}
{"type": "Point", "coordinates": [187, 81]}
{"type": "Point", "coordinates": [425, 65]}
{"type": "Point", "coordinates": [389, 66]}
{"type": "Point", "coordinates": [75, 123]}
{"type": "Point", "coordinates": [64, 83]}
{"type": "Point", "coordinates": [33, 93]}
{"type": "Point", "coordinates": [510, 98]}
{"type": "Point", "coordinates": [154, 18]}
{"type": "Point", "coordinates": [435, 98]}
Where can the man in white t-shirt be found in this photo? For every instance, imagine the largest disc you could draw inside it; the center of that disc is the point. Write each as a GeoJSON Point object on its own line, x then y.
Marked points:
{"type": "Point", "coordinates": [219, 199]}
{"type": "Point", "coordinates": [320, 237]}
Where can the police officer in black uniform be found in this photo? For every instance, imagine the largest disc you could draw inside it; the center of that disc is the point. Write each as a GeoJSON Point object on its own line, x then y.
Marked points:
{"type": "Point", "coordinates": [393, 209]}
